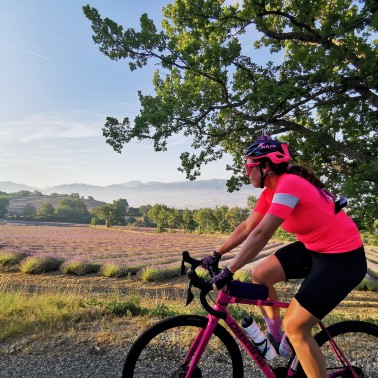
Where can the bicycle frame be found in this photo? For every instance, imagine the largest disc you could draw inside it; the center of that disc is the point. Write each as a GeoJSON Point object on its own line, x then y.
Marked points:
{"type": "Point", "coordinates": [204, 335]}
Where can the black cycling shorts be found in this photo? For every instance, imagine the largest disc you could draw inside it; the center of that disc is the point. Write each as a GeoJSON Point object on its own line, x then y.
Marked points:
{"type": "Point", "coordinates": [328, 277]}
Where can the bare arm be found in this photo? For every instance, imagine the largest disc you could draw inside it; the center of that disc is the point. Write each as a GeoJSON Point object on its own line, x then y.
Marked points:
{"type": "Point", "coordinates": [256, 241]}
{"type": "Point", "coordinates": [240, 233]}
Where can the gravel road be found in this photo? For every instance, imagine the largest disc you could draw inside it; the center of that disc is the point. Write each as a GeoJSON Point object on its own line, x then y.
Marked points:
{"type": "Point", "coordinates": [63, 360]}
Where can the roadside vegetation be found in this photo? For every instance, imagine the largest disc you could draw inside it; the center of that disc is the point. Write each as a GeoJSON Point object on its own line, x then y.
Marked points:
{"type": "Point", "coordinates": [136, 275]}
{"type": "Point", "coordinates": [58, 309]}
{"type": "Point", "coordinates": [122, 252]}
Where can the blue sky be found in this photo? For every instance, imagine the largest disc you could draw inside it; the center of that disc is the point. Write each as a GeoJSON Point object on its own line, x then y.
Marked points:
{"type": "Point", "coordinates": [57, 88]}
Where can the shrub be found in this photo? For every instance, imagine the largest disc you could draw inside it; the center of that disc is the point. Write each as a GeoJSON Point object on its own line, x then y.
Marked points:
{"type": "Point", "coordinates": [370, 238]}
{"type": "Point", "coordinates": [114, 270]}
{"type": "Point", "coordinates": [202, 273]}
{"type": "Point", "coordinates": [9, 259]}
{"type": "Point", "coordinates": [131, 307]}
{"type": "Point", "coordinates": [40, 264]}
{"type": "Point", "coordinates": [79, 268]}
{"type": "Point", "coordinates": [281, 234]}
{"type": "Point", "coordinates": [242, 275]}
{"type": "Point", "coordinates": [162, 310]}
{"type": "Point", "coordinates": [368, 284]}
{"type": "Point", "coordinates": [150, 274]}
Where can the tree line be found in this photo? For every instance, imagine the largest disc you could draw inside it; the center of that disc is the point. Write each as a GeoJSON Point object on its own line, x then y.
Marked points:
{"type": "Point", "coordinates": [71, 208]}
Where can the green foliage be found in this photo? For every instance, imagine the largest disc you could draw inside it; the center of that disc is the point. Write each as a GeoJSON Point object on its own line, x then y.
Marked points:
{"type": "Point", "coordinates": [150, 274]}
{"type": "Point", "coordinates": [205, 219]}
{"type": "Point", "coordinates": [281, 234]}
{"type": "Point", "coordinates": [242, 275]}
{"type": "Point", "coordinates": [79, 268]}
{"type": "Point", "coordinates": [9, 259]}
{"type": "Point", "coordinates": [370, 238]}
{"type": "Point", "coordinates": [114, 270]}
{"type": "Point", "coordinates": [112, 213]}
{"type": "Point", "coordinates": [160, 214]}
{"type": "Point", "coordinates": [368, 284]}
{"type": "Point", "coordinates": [4, 203]}
{"type": "Point", "coordinates": [72, 209]}
{"type": "Point", "coordinates": [127, 308]}
{"type": "Point", "coordinates": [162, 310]}
{"type": "Point", "coordinates": [238, 312]}
{"type": "Point", "coordinates": [45, 210]}
{"type": "Point", "coordinates": [236, 215]}
{"type": "Point", "coordinates": [39, 264]}
{"type": "Point", "coordinates": [29, 211]}
{"type": "Point", "coordinates": [318, 91]}
{"type": "Point", "coordinates": [202, 273]}
{"type": "Point", "coordinates": [188, 223]}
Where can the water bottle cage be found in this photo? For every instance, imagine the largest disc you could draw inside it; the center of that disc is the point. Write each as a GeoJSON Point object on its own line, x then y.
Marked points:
{"type": "Point", "coordinates": [265, 347]}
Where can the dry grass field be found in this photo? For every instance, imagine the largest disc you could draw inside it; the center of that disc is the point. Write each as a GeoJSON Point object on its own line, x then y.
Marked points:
{"type": "Point", "coordinates": [128, 246]}
{"type": "Point", "coordinates": [91, 320]}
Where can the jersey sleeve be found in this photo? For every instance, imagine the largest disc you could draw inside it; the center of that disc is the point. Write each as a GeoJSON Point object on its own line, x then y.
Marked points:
{"type": "Point", "coordinates": [283, 204]}
{"type": "Point", "coordinates": [263, 203]}
{"type": "Point", "coordinates": [286, 197]}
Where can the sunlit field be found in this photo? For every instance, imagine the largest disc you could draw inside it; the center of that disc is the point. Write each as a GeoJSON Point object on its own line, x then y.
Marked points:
{"type": "Point", "coordinates": [149, 263]}
{"type": "Point", "coordinates": [131, 250]}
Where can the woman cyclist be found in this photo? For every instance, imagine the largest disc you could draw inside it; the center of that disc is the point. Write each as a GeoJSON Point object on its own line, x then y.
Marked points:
{"type": "Point", "coordinates": [329, 254]}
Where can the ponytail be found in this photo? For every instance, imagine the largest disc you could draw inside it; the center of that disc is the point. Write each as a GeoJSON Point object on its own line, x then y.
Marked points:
{"type": "Point", "coordinates": [305, 173]}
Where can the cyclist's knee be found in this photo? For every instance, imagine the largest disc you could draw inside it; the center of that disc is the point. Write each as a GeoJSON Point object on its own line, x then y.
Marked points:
{"type": "Point", "coordinates": [296, 331]}
{"type": "Point", "coordinates": [259, 275]}
{"type": "Point", "coordinates": [268, 272]}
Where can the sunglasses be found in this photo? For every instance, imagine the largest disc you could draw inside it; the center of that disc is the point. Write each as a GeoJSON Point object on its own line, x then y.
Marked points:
{"type": "Point", "coordinates": [249, 166]}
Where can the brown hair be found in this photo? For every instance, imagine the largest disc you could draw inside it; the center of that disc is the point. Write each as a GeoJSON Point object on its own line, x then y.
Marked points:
{"type": "Point", "coordinates": [298, 170]}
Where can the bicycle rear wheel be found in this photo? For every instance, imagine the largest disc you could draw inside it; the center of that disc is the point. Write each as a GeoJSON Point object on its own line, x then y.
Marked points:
{"type": "Point", "coordinates": [160, 351]}
{"type": "Point", "coordinates": [358, 341]}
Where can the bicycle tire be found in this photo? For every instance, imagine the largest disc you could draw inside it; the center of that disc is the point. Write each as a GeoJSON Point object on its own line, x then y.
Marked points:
{"type": "Point", "coordinates": [358, 340]}
{"type": "Point", "coordinates": [160, 350]}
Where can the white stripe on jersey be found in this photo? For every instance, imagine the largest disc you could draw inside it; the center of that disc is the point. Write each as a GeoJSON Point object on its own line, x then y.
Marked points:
{"type": "Point", "coordinates": [285, 199]}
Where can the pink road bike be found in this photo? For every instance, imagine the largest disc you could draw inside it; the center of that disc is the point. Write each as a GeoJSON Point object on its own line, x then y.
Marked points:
{"type": "Point", "coordinates": [201, 347]}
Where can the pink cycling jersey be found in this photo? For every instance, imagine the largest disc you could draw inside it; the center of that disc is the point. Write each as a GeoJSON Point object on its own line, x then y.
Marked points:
{"type": "Point", "coordinates": [309, 214]}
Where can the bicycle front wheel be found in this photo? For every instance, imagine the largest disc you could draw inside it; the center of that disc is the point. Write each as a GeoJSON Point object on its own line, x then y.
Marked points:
{"type": "Point", "coordinates": [160, 351]}
{"type": "Point", "coordinates": [358, 341]}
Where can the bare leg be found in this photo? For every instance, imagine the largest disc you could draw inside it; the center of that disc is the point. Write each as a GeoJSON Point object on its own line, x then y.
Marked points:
{"type": "Point", "coordinates": [268, 272]}
{"type": "Point", "coordinates": [298, 324]}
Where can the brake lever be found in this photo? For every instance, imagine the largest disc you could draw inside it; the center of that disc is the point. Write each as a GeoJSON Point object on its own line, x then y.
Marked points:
{"type": "Point", "coordinates": [183, 268]}
{"type": "Point", "coordinates": [213, 272]}
{"type": "Point", "coordinates": [189, 295]}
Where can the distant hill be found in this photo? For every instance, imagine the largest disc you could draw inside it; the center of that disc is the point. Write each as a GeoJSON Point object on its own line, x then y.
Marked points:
{"type": "Point", "coordinates": [16, 205]}
{"type": "Point", "coordinates": [182, 194]}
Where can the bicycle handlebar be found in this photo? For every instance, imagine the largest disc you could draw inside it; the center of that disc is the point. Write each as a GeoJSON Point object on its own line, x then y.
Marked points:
{"type": "Point", "coordinates": [204, 286]}
{"type": "Point", "coordinates": [235, 288]}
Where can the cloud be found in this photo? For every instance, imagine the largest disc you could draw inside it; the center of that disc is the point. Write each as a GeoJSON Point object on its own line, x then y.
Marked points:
{"type": "Point", "coordinates": [48, 127]}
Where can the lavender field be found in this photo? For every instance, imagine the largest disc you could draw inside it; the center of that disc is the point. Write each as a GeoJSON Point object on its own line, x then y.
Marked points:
{"type": "Point", "coordinates": [134, 249]}
{"type": "Point", "coordinates": [131, 251]}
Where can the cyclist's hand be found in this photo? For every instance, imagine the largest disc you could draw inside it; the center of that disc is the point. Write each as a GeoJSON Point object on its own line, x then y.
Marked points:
{"type": "Point", "coordinates": [211, 262]}
{"type": "Point", "coordinates": [222, 279]}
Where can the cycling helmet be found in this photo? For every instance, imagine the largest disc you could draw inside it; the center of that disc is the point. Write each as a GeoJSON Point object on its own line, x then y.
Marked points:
{"type": "Point", "coordinates": [266, 147]}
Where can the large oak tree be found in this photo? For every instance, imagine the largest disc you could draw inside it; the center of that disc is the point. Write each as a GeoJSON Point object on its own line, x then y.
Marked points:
{"type": "Point", "coordinates": [318, 89]}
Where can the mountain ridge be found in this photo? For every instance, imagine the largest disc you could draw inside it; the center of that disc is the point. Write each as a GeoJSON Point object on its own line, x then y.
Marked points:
{"type": "Point", "coordinates": [179, 194]}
